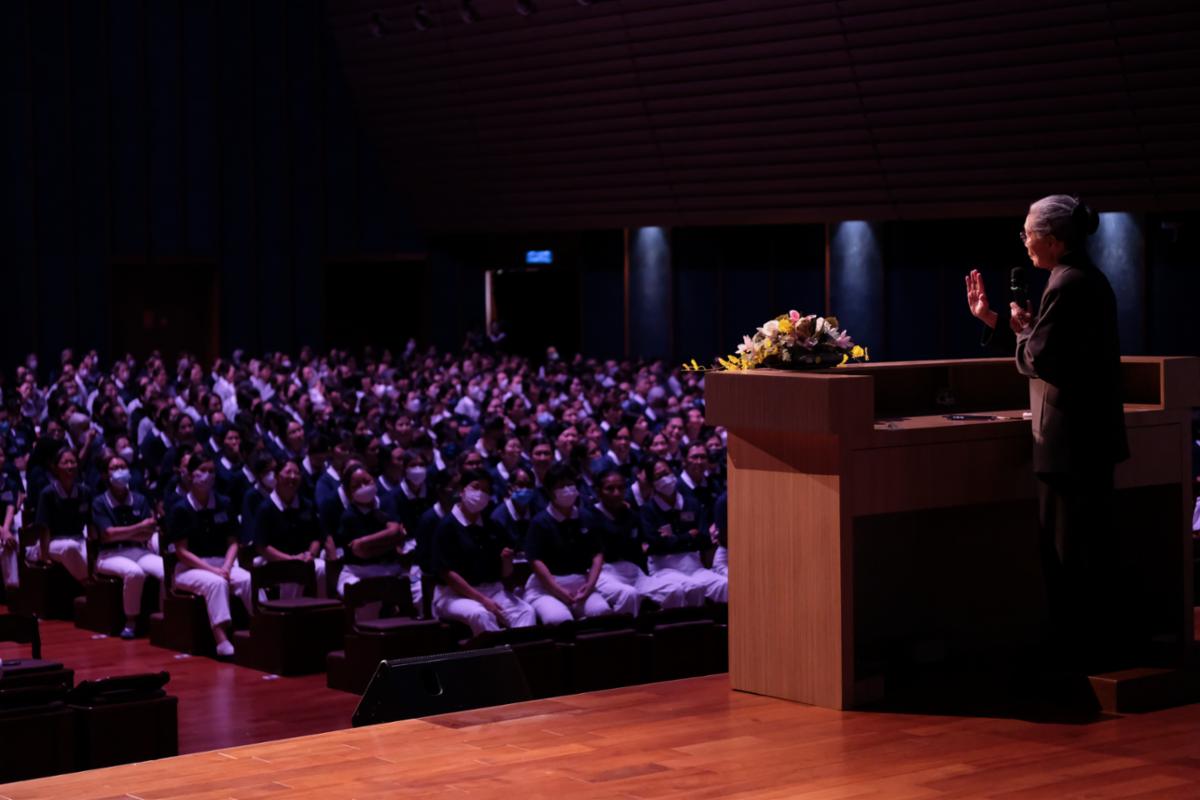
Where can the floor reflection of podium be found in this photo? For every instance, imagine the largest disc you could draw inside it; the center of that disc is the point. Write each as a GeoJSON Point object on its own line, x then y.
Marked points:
{"type": "Point", "coordinates": [892, 505]}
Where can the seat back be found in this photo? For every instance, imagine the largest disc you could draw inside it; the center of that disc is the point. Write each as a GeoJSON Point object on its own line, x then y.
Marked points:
{"type": "Point", "coordinates": [276, 573]}
{"type": "Point", "coordinates": [21, 629]}
{"type": "Point", "coordinates": [390, 592]}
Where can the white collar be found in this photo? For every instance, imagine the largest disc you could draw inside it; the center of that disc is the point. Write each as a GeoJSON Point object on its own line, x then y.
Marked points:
{"type": "Point", "coordinates": [212, 501]}
{"type": "Point", "coordinates": [637, 494]}
{"type": "Point", "coordinates": [677, 505]}
{"type": "Point", "coordinates": [249, 475]}
{"type": "Point", "coordinates": [387, 487]}
{"type": "Point", "coordinates": [554, 512]}
{"type": "Point", "coordinates": [329, 470]}
{"type": "Point", "coordinates": [345, 498]}
{"type": "Point", "coordinates": [226, 463]}
{"type": "Point", "coordinates": [687, 479]}
{"type": "Point", "coordinates": [278, 501]}
{"type": "Point", "coordinates": [308, 467]}
{"type": "Point", "coordinates": [461, 516]}
{"type": "Point", "coordinates": [437, 509]}
{"type": "Point", "coordinates": [502, 471]}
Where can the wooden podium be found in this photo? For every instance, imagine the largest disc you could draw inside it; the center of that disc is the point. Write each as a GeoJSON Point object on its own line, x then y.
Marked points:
{"type": "Point", "coordinates": [865, 520]}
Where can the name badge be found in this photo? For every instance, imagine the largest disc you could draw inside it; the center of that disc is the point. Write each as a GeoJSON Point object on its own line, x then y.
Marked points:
{"type": "Point", "coordinates": [220, 518]}
{"type": "Point", "coordinates": [687, 516]}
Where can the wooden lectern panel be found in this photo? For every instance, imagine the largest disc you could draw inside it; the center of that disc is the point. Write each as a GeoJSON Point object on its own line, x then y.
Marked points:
{"type": "Point", "coordinates": [921, 449]}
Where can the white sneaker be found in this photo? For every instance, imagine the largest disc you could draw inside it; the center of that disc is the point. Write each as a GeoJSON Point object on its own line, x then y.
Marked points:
{"type": "Point", "coordinates": [225, 649]}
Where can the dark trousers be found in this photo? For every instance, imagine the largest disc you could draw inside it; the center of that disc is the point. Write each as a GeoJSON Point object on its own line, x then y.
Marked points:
{"type": "Point", "coordinates": [1080, 561]}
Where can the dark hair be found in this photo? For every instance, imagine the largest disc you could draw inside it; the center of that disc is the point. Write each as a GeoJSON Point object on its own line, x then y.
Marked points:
{"type": "Point", "coordinates": [558, 475]}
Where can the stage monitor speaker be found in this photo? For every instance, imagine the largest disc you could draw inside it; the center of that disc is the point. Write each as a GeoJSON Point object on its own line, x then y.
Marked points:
{"type": "Point", "coordinates": [426, 685]}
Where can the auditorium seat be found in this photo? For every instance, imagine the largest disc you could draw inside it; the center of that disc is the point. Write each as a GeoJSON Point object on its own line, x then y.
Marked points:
{"type": "Point", "coordinates": [46, 588]}
{"type": "Point", "coordinates": [678, 650]}
{"type": "Point", "coordinates": [397, 635]}
{"type": "Point", "coordinates": [124, 719]}
{"type": "Point", "coordinates": [288, 635]}
{"type": "Point", "coordinates": [539, 654]}
{"type": "Point", "coordinates": [101, 607]}
{"type": "Point", "coordinates": [183, 624]}
{"type": "Point", "coordinates": [600, 653]}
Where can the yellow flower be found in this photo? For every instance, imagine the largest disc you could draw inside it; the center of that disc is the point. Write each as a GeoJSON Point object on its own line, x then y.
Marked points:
{"type": "Point", "coordinates": [858, 352]}
{"type": "Point", "coordinates": [785, 326]}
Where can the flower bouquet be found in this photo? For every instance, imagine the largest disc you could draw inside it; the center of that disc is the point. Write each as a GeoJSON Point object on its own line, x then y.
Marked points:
{"type": "Point", "coordinates": [793, 341]}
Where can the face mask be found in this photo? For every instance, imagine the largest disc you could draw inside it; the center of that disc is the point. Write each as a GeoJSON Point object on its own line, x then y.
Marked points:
{"type": "Point", "coordinates": [474, 500]}
{"type": "Point", "coordinates": [120, 477]}
{"type": "Point", "coordinates": [665, 486]}
{"type": "Point", "coordinates": [545, 419]}
{"type": "Point", "coordinates": [202, 480]}
{"type": "Point", "coordinates": [416, 475]}
{"type": "Point", "coordinates": [364, 495]}
{"type": "Point", "coordinates": [413, 406]}
{"type": "Point", "coordinates": [268, 480]}
{"type": "Point", "coordinates": [126, 454]}
{"type": "Point", "coordinates": [523, 497]}
{"type": "Point", "coordinates": [565, 496]}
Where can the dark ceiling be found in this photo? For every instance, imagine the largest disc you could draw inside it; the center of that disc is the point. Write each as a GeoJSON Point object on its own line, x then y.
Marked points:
{"type": "Point", "coordinates": [680, 112]}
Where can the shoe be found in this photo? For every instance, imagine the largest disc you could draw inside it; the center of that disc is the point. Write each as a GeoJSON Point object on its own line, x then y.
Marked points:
{"type": "Point", "coordinates": [225, 650]}
{"type": "Point", "coordinates": [127, 633]}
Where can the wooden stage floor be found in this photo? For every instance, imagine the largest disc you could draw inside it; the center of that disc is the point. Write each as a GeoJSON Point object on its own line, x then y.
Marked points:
{"type": "Point", "coordinates": [684, 739]}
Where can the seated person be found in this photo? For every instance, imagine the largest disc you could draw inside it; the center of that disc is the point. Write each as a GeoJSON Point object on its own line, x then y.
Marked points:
{"type": "Point", "coordinates": [369, 534]}
{"type": "Point", "coordinates": [719, 530]}
{"type": "Point", "coordinates": [286, 527]}
{"type": "Point", "coordinates": [10, 503]}
{"type": "Point", "coordinates": [565, 556]}
{"type": "Point", "coordinates": [65, 509]}
{"type": "Point", "coordinates": [623, 579]}
{"type": "Point", "coordinates": [205, 533]}
{"type": "Point", "coordinates": [262, 483]}
{"type": "Point", "coordinates": [517, 509]}
{"type": "Point", "coordinates": [124, 524]}
{"type": "Point", "coordinates": [471, 557]}
{"type": "Point", "coordinates": [673, 526]}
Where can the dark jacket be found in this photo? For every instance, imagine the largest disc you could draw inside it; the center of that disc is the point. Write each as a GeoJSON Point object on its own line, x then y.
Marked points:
{"type": "Point", "coordinates": [1072, 355]}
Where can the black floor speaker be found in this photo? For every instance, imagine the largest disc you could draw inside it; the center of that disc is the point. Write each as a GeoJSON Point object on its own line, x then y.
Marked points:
{"type": "Point", "coordinates": [420, 687]}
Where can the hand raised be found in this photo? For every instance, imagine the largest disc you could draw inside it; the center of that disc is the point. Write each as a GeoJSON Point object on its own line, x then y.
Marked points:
{"type": "Point", "coordinates": [977, 299]}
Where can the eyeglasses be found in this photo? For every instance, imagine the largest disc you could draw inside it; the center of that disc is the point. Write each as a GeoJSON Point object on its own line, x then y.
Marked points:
{"type": "Point", "coordinates": [1024, 237]}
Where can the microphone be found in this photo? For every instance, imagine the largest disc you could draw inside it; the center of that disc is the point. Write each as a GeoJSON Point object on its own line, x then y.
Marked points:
{"type": "Point", "coordinates": [1018, 285]}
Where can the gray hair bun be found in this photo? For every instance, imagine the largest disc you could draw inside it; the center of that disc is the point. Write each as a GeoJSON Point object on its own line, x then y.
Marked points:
{"type": "Point", "coordinates": [1084, 219]}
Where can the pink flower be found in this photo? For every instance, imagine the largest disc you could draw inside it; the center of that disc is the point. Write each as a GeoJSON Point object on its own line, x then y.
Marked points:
{"type": "Point", "coordinates": [794, 316]}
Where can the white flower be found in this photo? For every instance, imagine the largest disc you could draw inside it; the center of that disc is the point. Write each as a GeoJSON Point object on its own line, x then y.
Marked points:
{"type": "Point", "coordinates": [821, 326]}
{"type": "Point", "coordinates": [747, 347]}
{"type": "Point", "coordinates": [769, 328]}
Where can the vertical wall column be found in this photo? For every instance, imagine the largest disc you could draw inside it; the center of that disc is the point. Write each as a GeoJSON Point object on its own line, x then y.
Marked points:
{"type": "Point", "coordinates": [650, 303]}
{"type": "Point", "coordinates": [856, 281]}
{"type": "Point", "coordinates": [1119, 249]}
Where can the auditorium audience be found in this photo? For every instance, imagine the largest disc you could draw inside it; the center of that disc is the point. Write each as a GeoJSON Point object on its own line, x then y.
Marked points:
{"type": "Point", "coordinates": [602, 478]}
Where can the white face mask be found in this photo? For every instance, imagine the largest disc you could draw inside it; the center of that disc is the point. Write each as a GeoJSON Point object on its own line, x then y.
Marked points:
{"type": "Point", "coordinates": [364, 495]}
{"type": "Point", "coordinates": [565, 496]}
{"type": "Point", "coordinates": [126, 454]}
{"type": "Point", "coordinates": [268, 480]}
{"type": "Point", "coordinates": [474, 500]}
{"type": "Point", "coordinates": [665, 485]}
{"type": "Point", "coordinates": [120, 477]}
{"type": "Point", "coordinates": [415, 475]}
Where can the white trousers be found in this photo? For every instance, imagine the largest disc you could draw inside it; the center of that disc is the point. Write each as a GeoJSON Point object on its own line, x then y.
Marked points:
{"type": "Point", "coordinates": [70, 552]}
{"type": "Point", "coordinates": [552, 611]}
{"type": "Point", "coordinates": [131, 565]}
{"type": "Point", "coordinates": [711, 584]}
{"type": "Point", "coordinates": [449, 605]}
{"type": "Point", "coordinates": [353, 573]}
{"type": "Point", "coordinates": [214, 589]}
{"type": "Point", "coordinates": [721, 561]}
{"type": "Point", "coordinates": [8, 566]}
{"type": "Point", "coordinates": [621, 579]}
